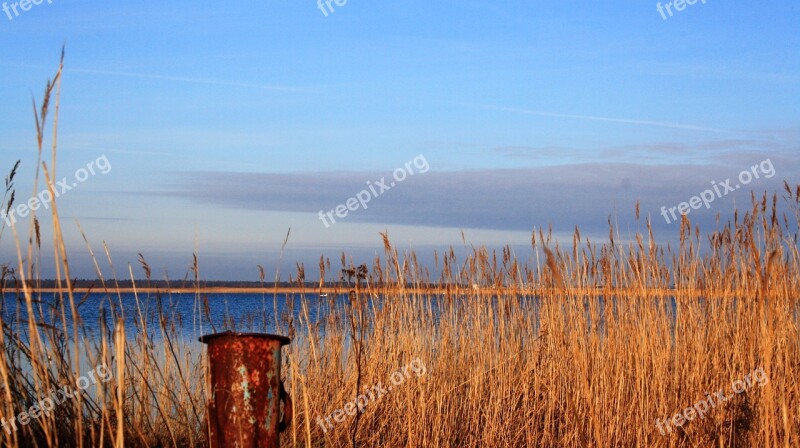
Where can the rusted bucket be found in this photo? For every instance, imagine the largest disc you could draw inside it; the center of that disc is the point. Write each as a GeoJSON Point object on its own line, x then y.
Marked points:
{"type": "Point", "coordinates": [244, 379]}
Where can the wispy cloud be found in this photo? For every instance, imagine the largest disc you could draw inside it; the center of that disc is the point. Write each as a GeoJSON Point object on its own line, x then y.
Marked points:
{"type": "Point", "coordinates": [715, 69]}
{"type": "Point", "coordinates": [660, 124]}
{"type": "Point", "coordinates": [189, 80]}
{"type": "Point", "coordinates": [97, 218]}
{"type": "Point", "coordinates": [719, 151]}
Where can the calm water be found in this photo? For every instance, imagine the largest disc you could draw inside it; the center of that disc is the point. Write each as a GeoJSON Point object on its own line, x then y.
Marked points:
{"type": "Point", "coordinates": [187, 312]}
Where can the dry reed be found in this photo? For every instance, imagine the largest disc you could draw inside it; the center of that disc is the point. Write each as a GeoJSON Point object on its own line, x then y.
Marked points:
{"type": "Point", "coordinates": [588, 348]}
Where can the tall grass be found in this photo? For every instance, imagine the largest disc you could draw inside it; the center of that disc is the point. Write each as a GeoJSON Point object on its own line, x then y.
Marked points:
{"type": "Point", "coordinates": [584, 345]}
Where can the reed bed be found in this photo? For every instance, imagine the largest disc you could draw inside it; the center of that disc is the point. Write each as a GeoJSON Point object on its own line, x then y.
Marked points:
{"type": "Point", "coordinates": [583, 344]}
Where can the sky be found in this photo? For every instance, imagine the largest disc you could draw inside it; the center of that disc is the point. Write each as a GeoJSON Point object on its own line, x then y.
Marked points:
{"type": "Point", "coordinates": [219, 126]}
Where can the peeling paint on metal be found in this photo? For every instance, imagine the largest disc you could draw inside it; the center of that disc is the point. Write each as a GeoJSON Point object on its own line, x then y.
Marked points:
{"type": "Point", "coordinates": [245, 390]}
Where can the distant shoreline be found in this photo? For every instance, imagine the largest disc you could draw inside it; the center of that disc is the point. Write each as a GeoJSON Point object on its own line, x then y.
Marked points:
{"type": "Point", "coordinates": [340, 290]}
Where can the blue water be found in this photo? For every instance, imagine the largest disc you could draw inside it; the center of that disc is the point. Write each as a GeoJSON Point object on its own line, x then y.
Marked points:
{"type": "Point", "coordinates": [187, 316]}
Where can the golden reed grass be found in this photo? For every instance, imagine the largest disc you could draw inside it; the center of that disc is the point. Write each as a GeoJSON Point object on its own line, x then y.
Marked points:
{"type": "Point", "coordinates": [588, 345]}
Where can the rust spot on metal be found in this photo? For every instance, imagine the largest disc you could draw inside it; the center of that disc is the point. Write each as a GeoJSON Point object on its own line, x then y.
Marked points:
{"type": "Point", "coordinates": [246, 390]}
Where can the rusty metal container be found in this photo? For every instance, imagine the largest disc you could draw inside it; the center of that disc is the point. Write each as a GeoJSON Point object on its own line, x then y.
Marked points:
{"type": "Point", "coordinates": [245, 390]}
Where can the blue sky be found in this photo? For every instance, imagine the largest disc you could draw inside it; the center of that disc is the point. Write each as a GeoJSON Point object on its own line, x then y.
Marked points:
{"type": "Point", "coordinates": [227, 123]}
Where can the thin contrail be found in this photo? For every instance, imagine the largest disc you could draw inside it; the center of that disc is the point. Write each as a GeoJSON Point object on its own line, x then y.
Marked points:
{"type": "Point", "coordinates": [660, 124]}
{"type": "Point", "coordinates": [165, 78]}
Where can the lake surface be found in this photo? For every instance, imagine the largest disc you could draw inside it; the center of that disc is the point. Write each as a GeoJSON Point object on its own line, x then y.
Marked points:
{"type": "Point", "coordinates": [192, 316]}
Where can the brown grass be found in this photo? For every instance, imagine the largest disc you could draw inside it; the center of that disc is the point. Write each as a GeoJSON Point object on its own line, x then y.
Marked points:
{"type": "Point", "coordinates": [586, 348]}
